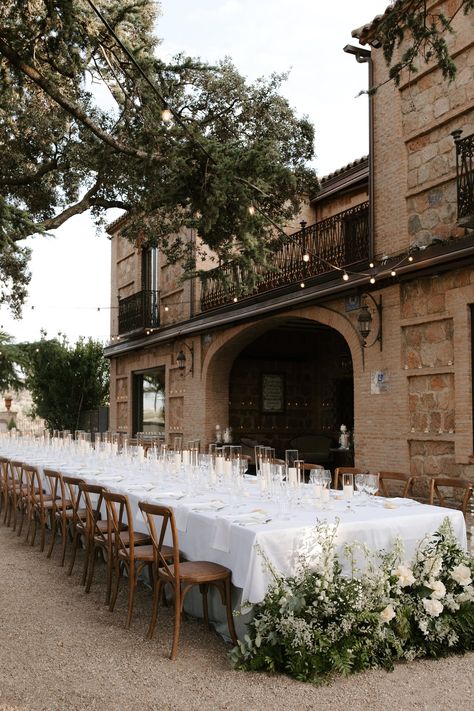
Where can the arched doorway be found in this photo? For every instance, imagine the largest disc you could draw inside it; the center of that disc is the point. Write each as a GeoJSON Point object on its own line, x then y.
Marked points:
{"type": "Point", "coordinates": [293, 381]}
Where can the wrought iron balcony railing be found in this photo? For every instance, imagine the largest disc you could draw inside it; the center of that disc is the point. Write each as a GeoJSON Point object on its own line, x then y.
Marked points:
{"type": "Point", "coordinates": [465, 180]}
{"type": "Point", "coordinates": [139, 311]}
{"type": "Point", "coordinates": [340, 240]}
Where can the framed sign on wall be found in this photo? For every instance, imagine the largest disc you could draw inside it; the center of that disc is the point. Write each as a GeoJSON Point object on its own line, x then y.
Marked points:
{"type": "Point", "coordinates": [273, 392]}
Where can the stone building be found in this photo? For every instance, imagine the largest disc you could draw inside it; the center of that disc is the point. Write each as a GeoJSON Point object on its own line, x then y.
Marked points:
{"type": "Point", "coordinates": [372, 328]}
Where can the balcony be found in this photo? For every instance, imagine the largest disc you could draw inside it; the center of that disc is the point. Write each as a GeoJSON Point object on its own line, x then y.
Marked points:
{"type": "Point", "coordinates": [139, 311]}
{"type": "Point", "coordinates": [465, 180]}
{"type": "Point", "coordinates": [338, 241]}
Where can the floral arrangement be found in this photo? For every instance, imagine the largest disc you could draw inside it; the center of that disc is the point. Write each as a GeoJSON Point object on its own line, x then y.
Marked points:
{"type": "Point", "coordinates": [321, 622]}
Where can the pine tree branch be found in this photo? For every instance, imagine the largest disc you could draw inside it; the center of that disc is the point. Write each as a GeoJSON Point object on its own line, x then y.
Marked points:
{"type": "Point", "coordinates": [32, 177]}
{"type": "Point", "coordinates": [71, 107]}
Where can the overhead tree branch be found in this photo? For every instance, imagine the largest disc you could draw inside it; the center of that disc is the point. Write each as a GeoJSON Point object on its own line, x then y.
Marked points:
{"type": "Point", "coordinates": [71, 107]}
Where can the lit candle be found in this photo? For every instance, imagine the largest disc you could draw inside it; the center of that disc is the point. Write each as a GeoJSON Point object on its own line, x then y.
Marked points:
{"type": "Point", "coordinates": [348, 491]}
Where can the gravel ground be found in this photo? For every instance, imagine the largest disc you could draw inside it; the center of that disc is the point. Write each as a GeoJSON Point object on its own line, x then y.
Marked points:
{"type": "Point", "coordinates": [61, 649]}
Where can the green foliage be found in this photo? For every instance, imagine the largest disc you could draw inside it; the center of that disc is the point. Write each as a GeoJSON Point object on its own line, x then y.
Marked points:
{"type": "Point", "coordinates": [10, 360]}
{"type": "Point", "coordinates": [423, 33]}
{"type": "Point", "coordinates": [320, 622]}
{"type": "Point", "coordinates": [67, 150]}
{"type": "Point", "coordinates": [65, 380]}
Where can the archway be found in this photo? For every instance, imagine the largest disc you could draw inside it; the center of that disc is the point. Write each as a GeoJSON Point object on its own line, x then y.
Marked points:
{"type": "Point", "coordinates": [228, 345]}
{"type": "Point", "coordinates": [293, 387]}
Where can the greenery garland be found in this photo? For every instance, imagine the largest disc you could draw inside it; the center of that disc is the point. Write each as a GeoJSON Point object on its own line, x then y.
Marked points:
{"type": "Point", "coordinates": [321, 622]}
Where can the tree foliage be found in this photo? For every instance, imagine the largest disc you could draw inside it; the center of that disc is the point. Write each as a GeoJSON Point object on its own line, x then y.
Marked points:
{"type": "Point", "coordinates": [10, 360]}
{"type": "Point", "coordinates": [423, 30]}
{"type": "Point", "coordinates": [65, 380]}
{"type": "Point", "coordinates": [82, 129]}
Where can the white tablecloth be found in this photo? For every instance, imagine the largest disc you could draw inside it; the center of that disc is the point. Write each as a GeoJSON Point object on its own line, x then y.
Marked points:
{"type": "Point", "coordinates": [223, 534]}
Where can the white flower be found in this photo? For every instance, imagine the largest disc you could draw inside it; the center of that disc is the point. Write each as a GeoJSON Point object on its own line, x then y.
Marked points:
{"type": "Point", "coordinates": [405, 576]}
{"type": "Point", "coordinates": [387, 614]}
{"type": "Point", "coordinates": [462, 574]}
{"type": "Point", "coordinates": [433, 607]}
{"type": "Point", "coordinates": [438, 588]}
{"type": "Point", "coordinates": [432, 566]}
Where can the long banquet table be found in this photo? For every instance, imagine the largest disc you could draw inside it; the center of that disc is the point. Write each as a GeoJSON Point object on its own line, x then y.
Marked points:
{"type": "Point", "coordinates": [230, 526]}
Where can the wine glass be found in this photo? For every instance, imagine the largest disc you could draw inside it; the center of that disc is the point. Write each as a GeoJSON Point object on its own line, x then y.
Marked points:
{"type": "Point", "coordinates": [348, 489]}
{"type": "Point", "coordinates": [360, 485]}
{"type": "Point", "coordinates": [372, 484]}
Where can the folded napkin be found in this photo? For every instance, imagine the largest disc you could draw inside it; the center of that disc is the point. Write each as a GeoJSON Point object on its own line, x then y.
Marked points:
{"type": "Point", "coordinates": [207, 505]}
{"type": "Point", "coordinates": [224, 523]}
{"type": "Point", "coordinates": [167, 494]}
{"type": "Point", "coordinates": [141, 487]}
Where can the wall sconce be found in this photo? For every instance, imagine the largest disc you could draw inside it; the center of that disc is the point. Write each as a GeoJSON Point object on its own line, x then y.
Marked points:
{"type": "Point", "coordinates": [365, 320]}
{"type": "Point", "coordinates": [181, 359]}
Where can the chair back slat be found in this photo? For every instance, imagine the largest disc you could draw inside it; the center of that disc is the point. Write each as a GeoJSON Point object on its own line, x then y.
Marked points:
{"type": "Point", "coordinates": [384, 477]}
{"type": "Point", "coordinates": [452, 483]}
{"type": "Point", "coordinates": [120, 519]}
{"type": "Point", "coordinates": [158, 519]}
{"type": "Point", "coordinates": [93, 510]}
{"type": "Point", "coordinates": [72, 484]}
{"type": "Point", "coordinates": [57, 490]}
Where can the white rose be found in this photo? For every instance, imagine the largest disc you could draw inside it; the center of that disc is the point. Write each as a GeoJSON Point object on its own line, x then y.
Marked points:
{"type": "Point", "coordinates": [462, 574]}
{"type": "Point", "coordinates": [387, 614]}
{"type": "Point", "coordinates": [405, 576]}
{"type": "Point", "coordinates": [438, 589]}
{"type": "Point", "coordinates": [433, 607]}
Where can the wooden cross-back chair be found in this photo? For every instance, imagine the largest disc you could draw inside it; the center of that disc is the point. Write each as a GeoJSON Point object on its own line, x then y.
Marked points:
{"type": "Point", "coordinates": [406, 479]}
{"type": "Point", "coordinates": [78, 522]}
{"type": "Point", "coordinates": [40, 505]}
{"type": "Point", "coordinates": [4, 464]}
{"type": "Point", "coordinates": [61, 511]}
{"type": "Point", "coordinates": [97, 538]}
{"type": "Point", "coordinates": [15, 493]}
{"type": "Point", "coordinates": [131, 550]}
{"type": "Point", "coordinates": [182, 576]}
{"type": "Point", "coordinates": [461, 485]}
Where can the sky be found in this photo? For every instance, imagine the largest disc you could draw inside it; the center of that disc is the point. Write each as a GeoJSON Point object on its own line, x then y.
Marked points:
{"type": "Point", "coordinates": [69, 291]}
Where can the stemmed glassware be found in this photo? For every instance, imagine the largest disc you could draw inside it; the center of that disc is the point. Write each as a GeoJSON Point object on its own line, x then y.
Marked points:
{"type": "Point", "coordinates": [348, 489]}
{"type": "Point", "coordinates": [372, 483]}
{"type": "Point", "coordinates": [360, 482]}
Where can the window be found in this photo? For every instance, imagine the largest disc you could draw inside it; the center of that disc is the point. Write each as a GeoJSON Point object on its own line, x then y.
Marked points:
{"type": "Point", "coordinates": [149, 401]}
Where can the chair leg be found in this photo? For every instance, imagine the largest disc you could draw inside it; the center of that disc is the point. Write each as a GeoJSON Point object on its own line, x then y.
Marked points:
{"type": "Point", "coordinates": [110, 570]}
{"type": "Point", "coordinates": [93, 555]}
{"type": "Point", "coordinates": [204, 590]}
{"type": "Point", "coordinates": [43, 530]}
{"type": "Point", "coordinates": [35, 525]}
{"type": "Point", "coordinates": [87, 559]}
{"type": "Point", "coordinates": [132, 584]}
{"type": "Point", "coordinates": [154, 613]}
{"type": "Point", "coordinates": [115, 587]}
{"type": "Point", "coordinates": [75, 544]}
{"type": "Point", "coordinates": [228, 608]}
{"type": "Point", "coordinates": [64, 530]}
{"type": "Point", "coordinates": [53, 536]}
{"type": "Point", "coordinates": [177, 620]}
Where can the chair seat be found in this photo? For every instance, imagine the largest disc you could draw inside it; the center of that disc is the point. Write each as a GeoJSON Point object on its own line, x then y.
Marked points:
{"type": "Point", "coordinates": [49, 503]}
{"type": "Point", "coordinates": [197, 571]}
{"type": "Point", "coordinates": [80, 513]}
{"type": "Point", "coordinates": [139, 539]}
{"type": "Point", "coordinates": [145, 552]}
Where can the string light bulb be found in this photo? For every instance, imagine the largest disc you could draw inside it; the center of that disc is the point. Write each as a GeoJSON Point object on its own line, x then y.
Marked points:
{"type": "Point", "coordinates": [410, 258]}
{"type": "Point", "coordinates": [302, 285]}
{"type": "Point", "coordinates": [306, 257]}
{"type": "Point", "coordinates": [393, 273]}
{"type": "Point", "coordinates": [251, 210]}
{"type": "Point", "coordinates": [371, 265]}
{"type": "Point", "coordinates": [167, 115]}
{"type": "Point", "coordinates": [235, 299]}
{"type": "Point", "coordinates": [167, 308]}
{"type": "Point", "coordinates": [345, 276]}
{"type": "Point", "coordinates": [372, 280]}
